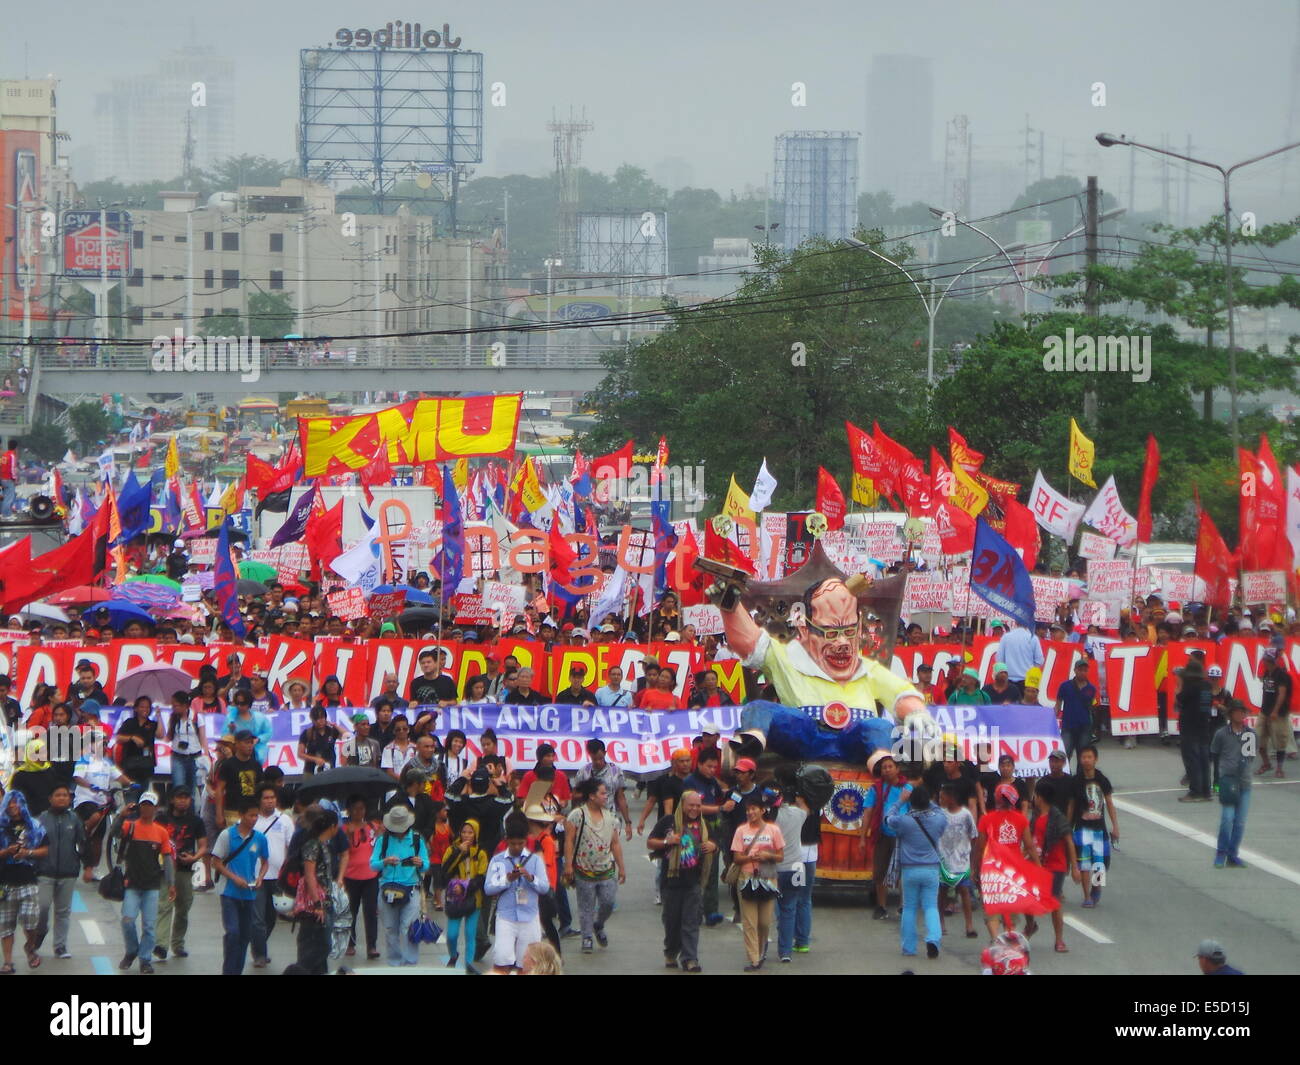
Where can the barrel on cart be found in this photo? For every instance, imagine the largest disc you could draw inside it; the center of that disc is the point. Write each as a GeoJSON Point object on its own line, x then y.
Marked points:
{"type": "Point", "coordinates": [841, 863]}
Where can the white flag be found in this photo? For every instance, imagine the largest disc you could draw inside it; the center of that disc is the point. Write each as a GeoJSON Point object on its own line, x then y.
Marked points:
{"type": "Point", "coordinates": [1293, 513]}
{"type": "Point", "coordinates": [613, 597]}
{"type": "Point", "coordinates": [764, 486]}
{"type": "Point", "coordinates": [360, 565]}
{"type": "Point", "coordinates": [1053, 511]}
{"type": "Point", "coordinates": [214, 500]}
{"type": "Point", "coordinates": [1107, 515]}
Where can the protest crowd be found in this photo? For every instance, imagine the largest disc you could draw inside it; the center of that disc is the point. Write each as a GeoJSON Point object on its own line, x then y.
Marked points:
{"type": "Point", "coordinates": [383, 759]}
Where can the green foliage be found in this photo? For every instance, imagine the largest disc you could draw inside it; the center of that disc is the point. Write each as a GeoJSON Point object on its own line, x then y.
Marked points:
{"type": "Point", "coordinates": [224, 176]}
{"type": "Point", "coordinates": [221, 325]}
{"type": "Point", "coordinates": [270, 315]}
{"type": "Point", "coordinates": [47, 441]}
{"type": "Point", "coordinates": [723, 385]}
{"type": "Point", "coordinates": [88, 423]}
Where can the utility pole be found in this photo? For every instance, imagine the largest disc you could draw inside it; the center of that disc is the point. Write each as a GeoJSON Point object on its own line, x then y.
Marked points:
{"type": "Point", "coordinates": [1132, 178]}
{"type": "Point", "coordinates": [1090, 289]}
{"type": "Point", "coordinates": [1187, 186]}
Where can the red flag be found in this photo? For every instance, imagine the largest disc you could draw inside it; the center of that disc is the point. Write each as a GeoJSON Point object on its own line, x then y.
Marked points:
{"type": "Point", "coordinates": [830, 500]}
{"type": "Point", "coordinates": [720, 549]}
{"type": "Point", "coordinates": [894, 456]}
{"type": "Point", "coordinates": [1213, 562]}
{"type": "Point", "coordinates": [563, 556]}
{"type": "Point", "coordinates": [324, 536]}
{"type": "Point", "coordinates": [962, 454]}
{"type": "Point", "coordinates": [1021, 531]}
{"type": "Point", "coordinates": [1272, 548]}
{"type": "Point", "coordinates": [15, 564]}
{"type": "Point", "coordinates": [682, 574]}
{"type": "Point", "coordinates": [1010, 883]}
{"type": "Point", "coordinates": [1247, 508]}
{"type": "Point", "coordinates": [258, 474]}
{"type": "Point", "coordinates": [867, 459]}
{"type": "Point", "coordinates": [615, 466]}
{"type": "Point", "coordinates": [64, 567]}
{"type": "Point", "coordinates": [1150, 472]}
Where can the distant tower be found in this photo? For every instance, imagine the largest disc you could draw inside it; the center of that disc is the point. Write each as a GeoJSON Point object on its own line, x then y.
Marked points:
{"type": "Point", "coordinates": [816, 185]}
{"type": "Point", "coordinates": [568, 154]}
{"type": "Point", "coordinates": [187, 153]}
{"type": "Point", "coordinates": [956, 167]}
{"type": "Point", "coordinates": [900, 127]}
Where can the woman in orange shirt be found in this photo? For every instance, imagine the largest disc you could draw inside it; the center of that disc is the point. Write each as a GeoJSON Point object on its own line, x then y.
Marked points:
{"type": "Point", "coordinates": [661, 696]}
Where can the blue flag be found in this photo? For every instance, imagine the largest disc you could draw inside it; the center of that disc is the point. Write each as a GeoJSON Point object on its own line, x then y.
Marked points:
{"type": "Point", "coordinates": [665, 540]}
{"type": "Point", "coordinates": [133, 505]}
{"type": "Point", "coordinates": [225, 583]}
{"type": "Point", "coordinates": [295, 525]}
{"type": "Point", "coordinates": [449, 563]}
{"type": "Point", "coordinates": [998, 576]}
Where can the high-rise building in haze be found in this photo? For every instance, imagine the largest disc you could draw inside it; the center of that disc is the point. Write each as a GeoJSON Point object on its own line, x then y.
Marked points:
{"type": "Point", "coordinates": [140, 122]}
{"type": "Point", "coordinates": [900, 128]}
{"type": "Point", "coordinates": [815, 185]}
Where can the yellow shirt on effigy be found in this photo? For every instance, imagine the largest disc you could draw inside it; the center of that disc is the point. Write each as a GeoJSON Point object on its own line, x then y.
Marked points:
{"type": "Point", "coordinates": [800, 681]}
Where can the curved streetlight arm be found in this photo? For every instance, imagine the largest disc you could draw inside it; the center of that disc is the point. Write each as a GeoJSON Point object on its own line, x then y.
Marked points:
{"type": "Point", "coordinates": [948, 287]}
{"type": "Point", "coordinates": [987, 236]}
{"type": "Point", "coordinates": [885, 259]}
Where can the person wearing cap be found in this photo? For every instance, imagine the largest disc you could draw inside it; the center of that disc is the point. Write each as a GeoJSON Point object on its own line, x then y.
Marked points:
{"type": "Point", "coordinates": [1233, 749]}
{"type": "Point", "coordinates": [1061, 781]}
{"type": "Point", "coordinates": [577, 693]}
{"type": "Point", "coordinates": [949, 680]}
{"type": "Point", "coordinates": [1075, 699]}
{"type": "Point", "coordinates": [1031, 692]}
{"type": "Point", "coordinates": [886, 796]}
{"type": "Point", "coordinates": [1007, 826]}
{"type": "Point", "coordinates": [238, 777]}
{"type": "Point", "coordinates": [190, 846]}
{"type": "Point", "coordinates": [1274, 720]}
{"type": "Point", "coordinates": [969, 692]}
{"type": "Point", "coordinates": [1000, 690]}
{"type": "Point", "coordinates": [265, 701]}
{"type": "Point", "coordinates": [86, 686]}
{"type": "Point", "coordinates": [516, 877]}
{"type": "Point", "coordinates": [1213, 959]}
{"type": "Point", "coordinates": [400, 856]}
{"type": "Point", "coordinates": [148, 861]}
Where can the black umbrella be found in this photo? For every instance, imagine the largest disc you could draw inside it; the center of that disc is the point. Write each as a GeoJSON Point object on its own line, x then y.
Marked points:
{"type": "Point", "coordinates": [417, 618]}
{"type": "Point", "coordinates": [338, 784]}
{"type": "Point", "coordinates": [245, 586]}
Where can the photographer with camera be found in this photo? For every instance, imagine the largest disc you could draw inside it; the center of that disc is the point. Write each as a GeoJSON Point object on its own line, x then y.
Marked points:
{"type": "Point", "coordinates": [400, 857]}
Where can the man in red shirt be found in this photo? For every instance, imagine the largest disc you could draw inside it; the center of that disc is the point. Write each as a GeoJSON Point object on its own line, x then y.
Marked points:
{"type": "Point", "coordinates": [8, 481]}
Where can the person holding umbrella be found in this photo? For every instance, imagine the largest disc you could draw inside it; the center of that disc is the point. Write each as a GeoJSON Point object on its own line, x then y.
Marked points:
{"type": "Point", "coordinates": [136, 737]}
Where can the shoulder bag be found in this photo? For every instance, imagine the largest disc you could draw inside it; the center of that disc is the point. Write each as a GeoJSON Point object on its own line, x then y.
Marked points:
{"type": "Point", "coordinates": [394, 894]}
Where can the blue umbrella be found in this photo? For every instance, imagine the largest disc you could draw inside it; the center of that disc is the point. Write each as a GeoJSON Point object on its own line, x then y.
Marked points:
{"type": "Point", "coordinates": [122, 612]}
{"type": "Point", "coordinates": [413, 595]}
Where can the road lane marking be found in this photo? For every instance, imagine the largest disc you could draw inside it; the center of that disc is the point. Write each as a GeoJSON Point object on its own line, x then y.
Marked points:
{"type": "Point", "coordinates": [90, 929]}
{"type": "Point", "coordinates": [1254, 858]}
{"type": "Point", "coordinates": [78, 903]}
{"type": "Point", "coordinates": [1160, 791]}
{"type": "Point", "coordinates": [1087, 930]}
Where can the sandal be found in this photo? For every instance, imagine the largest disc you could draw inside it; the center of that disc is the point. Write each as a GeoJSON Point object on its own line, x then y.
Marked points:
{"type": "Point", "coordinates": [692, 967]}
{"type": "Point", "coordinates": [1061, 948]}
{"type": "Point", "coordinates": [7, 969]}
{"type": "Point", "coordinates": [33, 959]}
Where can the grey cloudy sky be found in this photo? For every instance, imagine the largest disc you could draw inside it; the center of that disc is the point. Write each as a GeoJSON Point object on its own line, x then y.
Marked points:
{"type": "Point", "coordinates": [710, 81]}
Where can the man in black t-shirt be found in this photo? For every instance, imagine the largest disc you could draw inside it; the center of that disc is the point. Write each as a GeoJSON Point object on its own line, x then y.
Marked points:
{"type": "Point", "coordinates": [962, 776]}
{"type": "Point", "coordinates": [317, 746]}
{"type": "Point", "coordinates": [577, 693]}
{"type": "Point", "coordinates": [1090, 803]}
{"type": "Point", "coordinates": [433, 685]}
{"type": "Point", "coordinates": [1274, 724]}
{"type": "Point", "coordinates": [190, 840]}
{"type": "Point", "coordinates": [524, 691]}
{"type": "Point", "coordinates": [238, 777]}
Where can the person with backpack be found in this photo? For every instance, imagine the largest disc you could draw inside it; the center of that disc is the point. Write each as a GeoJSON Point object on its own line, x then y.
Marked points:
{"type": "Point", "coordinates": [277, 826]}
{"type": "Point", "coordinates": [464, 868]}
{"type": "Point", "coordinates": [593, 859]}
{"type": "Point", "coordinates": [240, 858]}
{"type": "Point", "coordinates": [918, 831]}
{"type": "Point", "coordinates": [400, 859]}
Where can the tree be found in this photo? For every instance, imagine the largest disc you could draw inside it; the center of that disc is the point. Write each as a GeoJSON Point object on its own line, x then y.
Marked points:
{"type": "Point", "coordinates": [47, 441]}
{"type": "Point", "coordinates": [1018, 413]}
{"type": "Point", "coordinates": [88, 422]}
{"type": "Point", "coordinates": [221, 325]}
{"type": "Point", "coordinates": [236, 171]}
{"type": "Point", "coordinates": [270, 315]}
{"type": "Point", "coordinates": [1182, 276]}
{"type": "Point", "coordinates": [812, 338]}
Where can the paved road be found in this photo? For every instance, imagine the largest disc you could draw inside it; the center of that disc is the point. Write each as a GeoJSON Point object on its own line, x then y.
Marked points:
{"type": "Point", "coordinates": [1163, 897]}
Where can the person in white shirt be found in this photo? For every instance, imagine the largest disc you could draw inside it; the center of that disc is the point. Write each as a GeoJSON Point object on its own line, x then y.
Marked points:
{"type": "Point", "coordinates": [277, 826]}
{"type": "Point", "coordinates": [613, 693]}
{"type": "Point", "coordinates": [401, 751]}
{"type": "Point", "coordinates": [93, 776]}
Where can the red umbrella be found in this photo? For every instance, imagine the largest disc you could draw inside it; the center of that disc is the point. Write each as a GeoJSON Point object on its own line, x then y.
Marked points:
{"type": "Point", "coordinates": [83, 593]}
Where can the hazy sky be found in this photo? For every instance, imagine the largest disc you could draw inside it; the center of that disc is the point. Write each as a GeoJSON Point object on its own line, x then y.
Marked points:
{"type": "Point", "coordinates": [710, 81]}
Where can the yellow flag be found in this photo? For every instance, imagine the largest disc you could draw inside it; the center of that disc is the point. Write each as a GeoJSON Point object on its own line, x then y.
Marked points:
{"type": "Point", "coordinates": [1082, 454]}
{"type": "Point", "coordinates": [528, 487]}
{"type": "Point", "coordinates": [967, 494]}
{"type": "Point", "coordinates": [114, 531]}
{"type": "Point", "coordinates": [737, 502]}
{"type": "Point", "coordinates": [172, 464]}
{"type": "Point", "coordinates": [230, 499]}
{"type": "Point", "coordinates": [864, 491]}
{"type": "Point", "coordinates": [460, 474]}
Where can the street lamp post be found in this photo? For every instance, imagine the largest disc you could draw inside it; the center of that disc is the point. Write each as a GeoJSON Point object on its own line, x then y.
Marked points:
{"type": "Point", "coordinates": [1106, 140]}
{"type": "Point", "coordinates": [1024, 292]}
{"type": "Point", "coordinates": [550, 290]}
{"type": "Point", "coordinates": [1105, 216]}
{"type": "Point", "coordinates": [931, 304]}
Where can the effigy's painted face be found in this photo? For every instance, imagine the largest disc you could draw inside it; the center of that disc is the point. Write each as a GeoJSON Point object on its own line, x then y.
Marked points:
{"type": "Point", "coordinates": [831, 634]}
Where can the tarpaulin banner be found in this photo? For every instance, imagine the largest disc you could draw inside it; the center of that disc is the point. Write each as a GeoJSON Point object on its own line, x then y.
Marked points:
{"type": "Point", "coordinates": [423, 430]}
